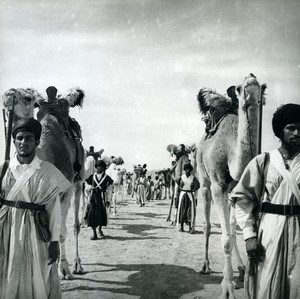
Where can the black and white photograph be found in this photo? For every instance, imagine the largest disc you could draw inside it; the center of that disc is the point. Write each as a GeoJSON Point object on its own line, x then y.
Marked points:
{"type": "Point", "coordinates": [149, 149]}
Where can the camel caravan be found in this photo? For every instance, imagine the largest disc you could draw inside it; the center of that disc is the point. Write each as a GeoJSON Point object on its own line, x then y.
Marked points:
{"type": "Point", "coordinates": [206, 172]}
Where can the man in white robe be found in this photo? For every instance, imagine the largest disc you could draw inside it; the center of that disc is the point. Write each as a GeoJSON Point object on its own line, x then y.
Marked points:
{"type": "Point", "coordinates": [273, 245]}
{"type": "Point", "coordinates": [185, 202]}
{"type": "Point", "coordinates": [28, 268]}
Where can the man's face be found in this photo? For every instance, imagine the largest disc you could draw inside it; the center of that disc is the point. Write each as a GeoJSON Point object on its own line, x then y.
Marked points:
{"type": "Point", "coordinates": [25, 143]}
{"type": "Point", "coordinates": [100, 169]}
{"type": "Point", "coordinates": [188, 171]}
{"type": "Point", "coordinates": [291, 135]}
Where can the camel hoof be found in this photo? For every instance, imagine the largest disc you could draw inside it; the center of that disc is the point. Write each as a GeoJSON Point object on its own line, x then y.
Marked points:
{"type": "Point", "coordinates": [78, 271]}
{"type": "Point", "coordinates": [77, 268]}
{"type": "Point", "coordinates": [227, 289]}
{"type": "Point", "coordinates": [64, 276]}
{"type": "Point", "coordinates": [205, 269]}
{"type": "Point", "coordinates": [235, 285]}
{"type": "Point", "coordinates": [64, 272]}
{"type": "Point", "coordinates": [206, 272]}
{"type": "Point", "coordinates": [68, 277]}
{"type": "Point", "coordinates": [83, 225]}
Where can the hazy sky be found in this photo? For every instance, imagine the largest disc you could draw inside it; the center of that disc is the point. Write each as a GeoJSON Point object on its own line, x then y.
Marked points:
{"type": "Point", "coordinates": [142, 63]}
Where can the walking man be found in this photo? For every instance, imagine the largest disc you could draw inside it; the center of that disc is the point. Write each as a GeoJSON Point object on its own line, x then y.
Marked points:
{"type": "Point", "coordinates": [30, 220]}
{"type": "Point", "coordinates": [271, 186]}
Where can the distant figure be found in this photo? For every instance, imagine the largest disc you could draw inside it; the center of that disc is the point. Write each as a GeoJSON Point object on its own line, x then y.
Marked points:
{"type": "Point", "coordinates": [141, 189]}
{"type": "Point", "coordinates": [150, 189]}
{"type": "Point", "coordinates": [128, 183]}
{"type": "Point", "coordinates": [156, 188]}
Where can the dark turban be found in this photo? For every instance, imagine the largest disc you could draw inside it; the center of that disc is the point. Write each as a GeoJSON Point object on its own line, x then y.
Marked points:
{"type": "Point", "coordinates": [284, 115]}
{"type": "Point", "coordinates": [188, 166]}
{"type": "Point", "coordinates": [101, 163]}
{"type": "Point", "coordinates": [29, 125]}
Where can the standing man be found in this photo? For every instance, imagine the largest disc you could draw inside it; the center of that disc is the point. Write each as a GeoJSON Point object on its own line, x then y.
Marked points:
{"type": "Point", "coordinates": [141, 189]}
{"type": "Point", "coordinates": [185, 202]}
{"type": "Point", "coordinates": [96, 214]}
{"type": "Point", "coordinates": [273, 241]}
{"type": "Point", "coordinates": [30, 220]}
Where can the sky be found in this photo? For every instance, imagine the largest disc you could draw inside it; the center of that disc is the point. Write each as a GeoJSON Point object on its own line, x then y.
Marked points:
{"type": "Point", "coordinates": [141, 64]}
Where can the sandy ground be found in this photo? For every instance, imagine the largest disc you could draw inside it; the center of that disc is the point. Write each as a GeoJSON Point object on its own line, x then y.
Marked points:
{"type": "Point", "coordinates": [142, 256]}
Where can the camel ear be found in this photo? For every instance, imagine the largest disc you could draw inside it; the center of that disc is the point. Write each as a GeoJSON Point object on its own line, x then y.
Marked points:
{"type": "Point", "coordinates": [101, 152]}
{"type": "Point", "coordinates": [239, 89]}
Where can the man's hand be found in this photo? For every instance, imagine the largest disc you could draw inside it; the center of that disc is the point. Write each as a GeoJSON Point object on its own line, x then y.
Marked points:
{"type": "Point", "coordinates": [192, 186]}
{"type": "Point", "coordinates": [53, 251]}
{"type": "Point", "coordinates": [255, 251]}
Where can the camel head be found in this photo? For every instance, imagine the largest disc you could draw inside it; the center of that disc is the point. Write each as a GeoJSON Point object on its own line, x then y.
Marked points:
{"type": "Point", "coordinates": [119, 160]}
{"type": "Point", "coordinates": [177, 149]}
{"type": "Point", "coordinates": [250, 92]}
{"type": "Point", "coordinates": [171, 148]}
{"type": "Point", "coordinates": [208, 98]}
{"type": "Point", "coordinates": [75, 97]}
{"type": "Point", "coordinates": [23, 99]}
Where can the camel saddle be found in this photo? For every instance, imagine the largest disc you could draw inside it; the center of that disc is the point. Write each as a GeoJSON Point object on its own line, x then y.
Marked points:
{"type": "Point", "coordinates": [60, 109]}
{"type": "Point", "coordinates": [213, 118]}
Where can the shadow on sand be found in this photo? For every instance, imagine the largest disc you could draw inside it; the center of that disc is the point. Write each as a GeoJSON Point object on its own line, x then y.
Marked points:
{"type": "Point", "coordinates": [148, 280]}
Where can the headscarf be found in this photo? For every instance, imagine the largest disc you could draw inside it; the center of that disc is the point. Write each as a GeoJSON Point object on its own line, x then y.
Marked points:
{"type": "Point", "coordinates": [284, 115]}
{"type": "Point", "coordinates": [27, 124]}
{"type": "Point", "coordinates": [101, 163]}
{"type": "Point", "coordinates": [188, 166]}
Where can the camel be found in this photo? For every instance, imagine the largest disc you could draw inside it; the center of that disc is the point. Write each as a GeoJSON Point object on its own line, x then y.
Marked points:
{"type": "Point", "coordinates": [111, 192]}
{"type": "Point", "coordinates": [221, 158]}
{"type": "Point", "coordinates": [60, 144]}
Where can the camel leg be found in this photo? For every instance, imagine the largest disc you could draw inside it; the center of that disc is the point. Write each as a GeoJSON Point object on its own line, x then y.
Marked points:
{"type": "Point", "coordinates": [173, 202]}
{"type": "Point", "coordinates": [240, 265]}
{"type": "Point", "coordinates": [85, 199]}
{"type": "Point", "coordinates": [170, 210]}
{"type": "Point", "coordinates": [77, 267]}
{"type": "Point", "coordinates": [64, 272]}
{"type": "Point", "coordinates": [206, 197]}
{"type": "Point", "coordinates": [114, 198]}
{"type": "Point", "coordinates": [220, 200]}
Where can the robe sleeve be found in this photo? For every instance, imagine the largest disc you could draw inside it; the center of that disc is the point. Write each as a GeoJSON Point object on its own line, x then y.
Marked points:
{"type": "Point", "coordinates": [247, 195]}
{"type": "Point", "coordinates": [53, 209]}
{"type": "Point", "coordinates": [196, 184]}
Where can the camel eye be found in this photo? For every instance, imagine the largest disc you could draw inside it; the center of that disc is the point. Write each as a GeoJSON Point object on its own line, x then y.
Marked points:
{"type": "Point", "coordinates": [27, 100]}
